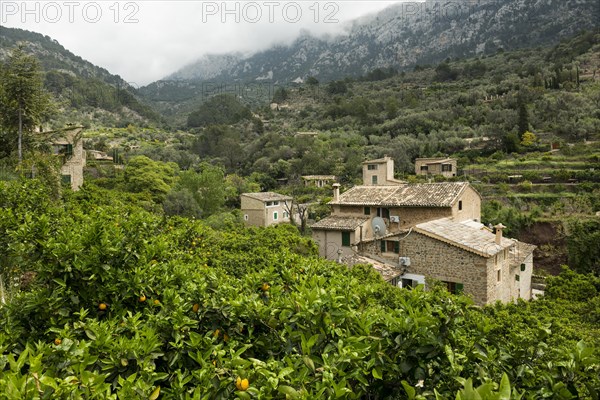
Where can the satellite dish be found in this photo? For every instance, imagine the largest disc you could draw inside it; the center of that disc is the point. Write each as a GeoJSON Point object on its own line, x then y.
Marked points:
{"type": "Point", "coordinates": [378, 225]}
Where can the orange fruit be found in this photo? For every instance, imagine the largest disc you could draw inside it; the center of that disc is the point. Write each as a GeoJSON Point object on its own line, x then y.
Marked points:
{"type": "Point", "coordinates": [57, 341]}
{"type": "Point", "coordinates": [265, 286]}
{"type": "Point", "coordinates": [242, 384]}
{"type": "Point", "coordinates": [156, 302]}
{"type": "Point", "coordinates": [102, 306]}
{"type": "Point", "coordinates": [142, 298]}
{"type": "Point", "coordinates": [195, 307]}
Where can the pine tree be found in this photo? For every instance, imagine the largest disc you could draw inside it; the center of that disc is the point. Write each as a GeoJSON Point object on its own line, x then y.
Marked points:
{"type": "Point", "coordinates": [23, 100]}
{"type": "Point", "coordinates": [523, 117]}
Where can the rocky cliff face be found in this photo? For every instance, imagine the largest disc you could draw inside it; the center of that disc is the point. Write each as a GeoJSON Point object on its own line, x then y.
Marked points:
{"type": "Point", "coordinates": [402, 36]}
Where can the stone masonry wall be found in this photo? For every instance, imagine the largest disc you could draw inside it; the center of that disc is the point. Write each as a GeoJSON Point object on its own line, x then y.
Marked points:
{"type": "Point", "coordinates": [471, 206]}
{"type": "Point", "coordinates": [442, 261]}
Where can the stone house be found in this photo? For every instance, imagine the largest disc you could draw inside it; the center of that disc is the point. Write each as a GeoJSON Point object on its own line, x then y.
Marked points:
{"type": "Point", "coordinates": [265, 208]}
{"type": "Point", "coordinates": [430, 230]}
{"type": "Point", "coordinates": [68, 145]}
{"type": "Point", "coordinates": [318, 180]}
{"type": "Point", "coordinates": [379, 172]}
{"type": "Point", "coordinates": [468, 258]}
{"type": "Point", "coordinates": [436, 166]}
{"type": "Point", "coordinates": [401, 207]}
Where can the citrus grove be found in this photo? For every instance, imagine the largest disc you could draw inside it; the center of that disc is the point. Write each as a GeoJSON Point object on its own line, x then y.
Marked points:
{"type": "Point", "coordinates": [106, 299]}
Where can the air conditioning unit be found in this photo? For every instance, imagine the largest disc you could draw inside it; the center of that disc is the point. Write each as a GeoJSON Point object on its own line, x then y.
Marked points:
{"type": "Point", "coordinates": [404, 261]}
{"type": "Point", "coordinates": [395, 218]}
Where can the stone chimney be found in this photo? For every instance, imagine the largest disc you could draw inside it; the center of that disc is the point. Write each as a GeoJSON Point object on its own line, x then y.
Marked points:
{"type": "Point", "coordinates": [499, 228]}
{"type": "Point", "coordinates": [336, 191]}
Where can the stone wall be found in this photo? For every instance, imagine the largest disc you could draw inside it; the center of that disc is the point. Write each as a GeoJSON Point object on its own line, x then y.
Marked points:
{"type": "Point", "coordinates": [471, 206]}
{"type": "Point", "coordinates": [444, 262]}
{"type": "Point", "coordinates": [411, 216]}
{"type": "Point", "coordinates": [498, 266]}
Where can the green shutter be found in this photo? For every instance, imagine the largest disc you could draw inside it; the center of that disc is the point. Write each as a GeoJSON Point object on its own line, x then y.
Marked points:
{"type": "Point", "coordinates": [69, 151]}
{"type": "Point", "coordinates": [367, 210]}
{"type": "Point", "coordinates": [397, 247]}
{"type": "Point", "coordinates": [522, 267]}
{"type": "Point", "coordinates": [346, 239]}
{"type": "Point", "coordinates": [459, 288]}
{"type": "Point", "coordinates": [383, 246]}
{"type": "Point", "coordinates": [517, 278]}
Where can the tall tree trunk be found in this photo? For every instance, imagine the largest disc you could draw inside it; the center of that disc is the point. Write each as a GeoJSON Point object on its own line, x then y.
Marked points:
{"type": "Point", "coordinates": [20, 144]}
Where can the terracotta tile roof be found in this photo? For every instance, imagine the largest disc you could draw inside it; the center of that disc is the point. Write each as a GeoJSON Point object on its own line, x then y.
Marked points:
{"type": "Point", "coordinates": [324, 177]}
{"type": "Point", "coordinates": [435, 160]}
{"type": "Point", "coordinates": [338, 223]}
{"type": "Point", "coordinates": [267, 196]}
{"type": "Point", "coordinates": [442, 194]}
{"type": "Point", "coordinates": [465, 236]}
{"type": "Point", "coordinates": [378, 161]}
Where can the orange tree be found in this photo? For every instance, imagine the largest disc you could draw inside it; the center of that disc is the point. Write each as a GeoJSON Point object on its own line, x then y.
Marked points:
{"type": "Point", "coordinates": [246, 313]}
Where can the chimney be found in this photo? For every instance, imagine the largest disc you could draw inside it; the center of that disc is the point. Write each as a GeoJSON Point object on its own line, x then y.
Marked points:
{"type": "Point", "coordinates": [499, 228]}
{"type": "Point", "coordinates": [336, 191]}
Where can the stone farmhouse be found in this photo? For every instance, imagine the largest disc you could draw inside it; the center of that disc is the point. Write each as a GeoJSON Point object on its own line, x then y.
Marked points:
{"type": "Point", "coordinates": [430, 230]}
{"type": "Point", "coordinates": [436, 166]}
{"type": "Point", "coordinates": [68, 145]}
{"type": "Point", "coordinates": [265, 208]}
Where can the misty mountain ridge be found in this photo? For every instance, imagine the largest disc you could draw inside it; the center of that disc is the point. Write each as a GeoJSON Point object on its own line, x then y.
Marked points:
{"type": "Point", "coordinates": [402, 36]}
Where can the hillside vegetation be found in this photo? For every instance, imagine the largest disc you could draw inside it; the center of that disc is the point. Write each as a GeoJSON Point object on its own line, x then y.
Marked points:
{"type": "Point", "coordinates": [107, 300]}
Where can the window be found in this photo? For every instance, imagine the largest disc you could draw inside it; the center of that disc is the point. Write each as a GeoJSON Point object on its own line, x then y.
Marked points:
{"type": "Point", "coordinates": [65, 179]}
{"type": "Point", "coordinates": [499, 275]}
{"type": "Point", "coordinates": [272, 203]}
{"type": "Point", "coordinates": [408, 283]}
{"type": "Point", "coordinates": [517, 278]}
{"type": "Point", "coordinates": [245, 217]}
{"type": "Point", "coordinates": [393, 246]}
{"type": "Point", "coordinates": [367, 210]}
{"type": "Point", "coordinates": [446, 167]}
{"type": "Point", "coordinates": [460, 205]}
{"type": "Point", "coordinates": [346, 239]}
{"type": "Point", "coordinates": [372, 167]}
{"type": "Point", "coordinates": [374, 179]}
{"type": "Point", "coordinates": [275, 216]}
{"type": "Point", "coordinates": [383, 212]}
{"type": "Point", "coordinates": [522, 267]}
{"type": "Point", "coordinates": [286, 214]}
{"type": "Point", "coordinates": [424, 168]}
{"type": "Point", "coordinates": [454, 287]}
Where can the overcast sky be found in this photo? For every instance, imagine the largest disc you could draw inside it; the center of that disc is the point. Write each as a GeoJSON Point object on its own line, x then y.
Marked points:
{"type": "Point", "coordinates": [144, 41]}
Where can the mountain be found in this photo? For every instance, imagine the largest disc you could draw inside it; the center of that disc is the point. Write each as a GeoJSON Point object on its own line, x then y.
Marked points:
{"type": "Point", "coordinates": [401, 36]}
{"type": "Point", "coordinates": [85, 88]}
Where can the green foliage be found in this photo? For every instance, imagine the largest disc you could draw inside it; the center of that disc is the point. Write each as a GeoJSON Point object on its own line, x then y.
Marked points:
{"type": "Point", "coordinates": [207, 188]}
{"type": "Point", "coordinates": [219, 110]}
{"type": "Point", "coordinates": [123, 303]}
{"type": "Point", "coordinates": [154, 177]}
{"type": "Point", "coordinates": [280, 95]}
{"type": "Point", "coordinates": [583, 237]}
{"type": "Point", "coordinates": [337, 87]}
{"type": "Point", "coordinates": [570, 285]}
{"type": "Point", "coordinates": [528, 139]}
{"type": "Point", "coordinates": [24, 102]}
